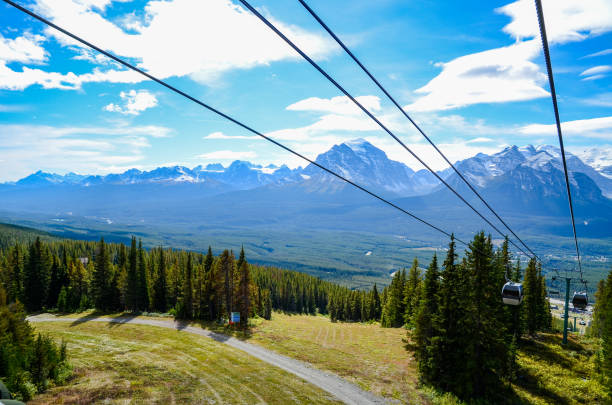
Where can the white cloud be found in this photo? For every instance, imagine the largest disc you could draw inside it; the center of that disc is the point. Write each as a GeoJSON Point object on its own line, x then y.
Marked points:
{"type": "Point", "coordinates": [134, 102]}
{"type": "Point", "coordinates": [596, 70]}
{"type": "Point", "coordinates": [600, 128]}
{"type": "Point", "coordinates": [600, 53]}
{"type": "Point", "coordinates": [493, 76]}
{"type": "Point", "coordinates": [18, 80]}
{"type": "Point", "coordinates": [152, 131]}
{"type": "Point", "coordinates": [28, 148]}
{"type": "Point", "coordinates": [595, 77]}
{"type": "Point", "coordinates": [336, 105]}
{"type": "Point", "coordinates": [509, 74]}
{"type": "Point", "coordinates": [221, 135]}
{"type": "Point", "coordinates": [480, 140]}
{"type": "Point", "coordinates": [566, 20]}
{"type": "Point", "coordinates": [25, 49]}
{"type": "Point", "coordinates": [199, 39]}
{"type": "Point", "coordinates": [225, 155]}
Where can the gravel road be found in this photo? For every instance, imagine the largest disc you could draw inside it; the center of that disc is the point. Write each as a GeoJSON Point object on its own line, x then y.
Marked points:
{"type": "Point", "coordinates": [343, 390]}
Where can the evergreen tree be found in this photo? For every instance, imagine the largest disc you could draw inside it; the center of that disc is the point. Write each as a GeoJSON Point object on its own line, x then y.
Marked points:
{"type": "Point", "coordinates": [267, 304]}
{"type": "Point", "coordinates": [143, 279]}
{"type": "Point", "coordinates": [122, 266]}
{"type": "Point", "coordinates": [488, 351]}
{"type": "Point", "coordinates": [132, 290]}
{"type": "Point", "coordinates": [392, 316]}
{"type": "Point", "coordinates": [444, 355]}
{"type": "Point", "coordinates": [160, 301]}
{"type": "Point", "coordinates": [412, 293]}
{"type": "Point", "coordinates": [424, 323]}
{"type": "Point", "coordinates": [36, 276]}
{"type": "Point", "coordinates": [15, 269]}
{"type": "Point", "coordinates": [62, 301]}
{"type": "Point", "coordinates": [208, 295]}
{"type": "Point", "coordinates": [59, 279]}
{"type": "Point", "coordinates": [186, 302]}
{"type": "Point", "coordinates": [531, 303]}
{"type": "Point", "coordinates": [606, 336]}
{"type": "Point", "coordinates": [599, 309]}
{"type": "Point", "coordinates": [244, 293]}
{"type": "Point", "coordinates": [101, 278]}
{"type": "Point", "coordinates": [241, 258]}
{"type": "Point", "coordinates": [375, 311]}
{"type": "Point", "coordinates": [544, 314]}
{"type": "Point", "coordinates": [226, 262]}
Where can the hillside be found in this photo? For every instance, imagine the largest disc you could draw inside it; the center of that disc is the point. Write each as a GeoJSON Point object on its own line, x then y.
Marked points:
{"type": "Point", "coordinates": [360, 353]}
{"type": "Point", "coordinates": [145, 364]}
{"type": "Point", "coordinates": [368, 340]}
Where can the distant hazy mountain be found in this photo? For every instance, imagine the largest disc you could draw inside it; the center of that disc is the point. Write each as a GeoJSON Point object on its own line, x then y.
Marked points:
{"type": "Point", "coordinates": [239, 175]}
{"type": "Point", "coordinates": [599, 158]}
{"type": "Point", "coordinates": [526, 168]}
{"type": "Point", "coordinates": [366, 165]}
{"type": "Point", "coordinates": [484, 170]}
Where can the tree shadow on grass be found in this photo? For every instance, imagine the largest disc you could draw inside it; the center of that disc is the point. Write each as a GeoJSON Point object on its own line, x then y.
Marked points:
{"type": "Point", "coordinates": [113, 321]}
{"type": "Point", "coordinates": [548, 348]}
{"type": "Point", "coordinates": [121, 319]}
{"type": "Point", "coordinates": [530, 382]}
{"type": "Point", "coordinates": [87, 318]}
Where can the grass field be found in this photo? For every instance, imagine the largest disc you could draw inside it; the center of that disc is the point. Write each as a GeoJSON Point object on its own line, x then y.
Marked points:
{"type": "Point", "coordinates": [138, 364]}
{"type": "Point", "coordinates": [365, 354]}
{"type": "Point", "coordinates": [375, 358]}
{"type": "Point", "coordinates": [553, 374]}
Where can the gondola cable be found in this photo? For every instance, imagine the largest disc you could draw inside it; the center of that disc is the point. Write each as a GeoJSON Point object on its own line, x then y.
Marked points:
{"type": "Point", "coordinates": [553, 95]}
{"type": "Point", "coordinates": [371, 116]}
{"type": "Point", "coordinates": [416, 126]}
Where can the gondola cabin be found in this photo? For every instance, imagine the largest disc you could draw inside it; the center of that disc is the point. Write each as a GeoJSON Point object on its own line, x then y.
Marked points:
{"type": "Point", "coordinates": [580, 300]}
{"type": "Point", "coordinates": [512, 293]}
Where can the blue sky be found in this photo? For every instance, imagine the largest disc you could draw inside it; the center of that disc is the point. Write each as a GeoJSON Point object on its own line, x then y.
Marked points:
{"type": "Point", "coordinates": [471, 73]}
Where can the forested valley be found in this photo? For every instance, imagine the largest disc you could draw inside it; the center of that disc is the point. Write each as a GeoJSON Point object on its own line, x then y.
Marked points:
{"type": "Point", "coordinates": [463, 337]}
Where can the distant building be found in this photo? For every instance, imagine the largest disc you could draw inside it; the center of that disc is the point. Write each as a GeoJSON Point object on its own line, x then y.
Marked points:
{"type": "Point", "coordinates": [84, 260]}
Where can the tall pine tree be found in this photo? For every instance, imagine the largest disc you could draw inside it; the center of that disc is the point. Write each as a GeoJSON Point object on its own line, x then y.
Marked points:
{"type": "Point", "coordinates": [160, 300]}
{"type": "Point", "coordinates": [101, 278]}
{"type": "Point", "coordinates": [143, 279]}
{"type": "Point", "coordinates": [37, 273]}
{"type": "Point", "coordinates": [412, 293]}
{"type": "Point", "coordinates": [424, 323]}
{"type": "Point", "coordinates": [132, 290]}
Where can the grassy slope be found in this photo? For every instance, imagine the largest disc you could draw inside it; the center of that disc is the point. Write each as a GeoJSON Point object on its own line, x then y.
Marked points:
{"type": "Point", "coordinates": [365, 354]}
{"type": "Point", "coordinates": [116, 363]}
{"type": "Point", "coordinates": [375, 358]}
{"type": "Point", "coordinates": [553, 374]}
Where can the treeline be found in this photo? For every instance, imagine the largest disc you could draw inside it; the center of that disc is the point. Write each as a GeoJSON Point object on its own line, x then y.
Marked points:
{"type": "Point", "coordinates": [602, 329]}
{"type": "Point", "coordinates": [465, 339]}
{"type": "Point", "coordinates": [29, 363]}
{"type": "Point", "coordinates": [76, 275]}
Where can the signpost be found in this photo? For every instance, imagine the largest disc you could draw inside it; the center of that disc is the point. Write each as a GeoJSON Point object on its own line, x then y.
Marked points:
{"type": "Point", "coordinates": [235, 318]}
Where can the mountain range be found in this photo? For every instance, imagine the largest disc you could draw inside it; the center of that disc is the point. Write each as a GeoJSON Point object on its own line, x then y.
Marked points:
{"type": "Point", "coordinates": [282, 214]}
{"type": "Point", "coordinates": [365, 164]}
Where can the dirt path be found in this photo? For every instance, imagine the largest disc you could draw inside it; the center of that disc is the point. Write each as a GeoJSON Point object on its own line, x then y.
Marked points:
{"type": "Point", "coordinates": [343, 390]}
